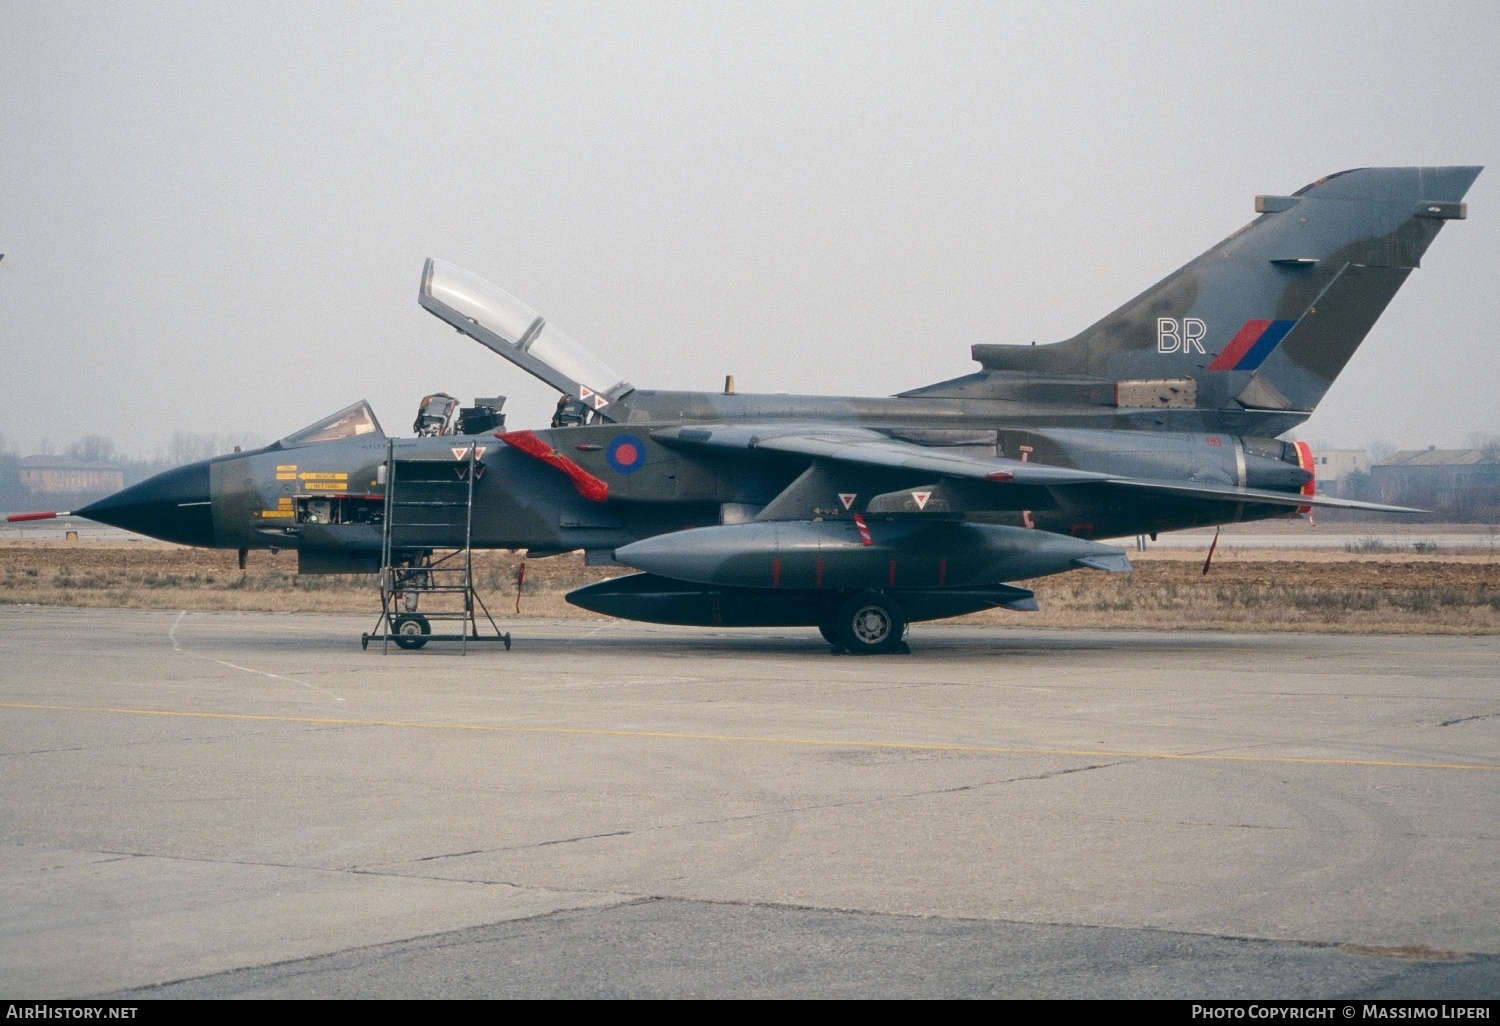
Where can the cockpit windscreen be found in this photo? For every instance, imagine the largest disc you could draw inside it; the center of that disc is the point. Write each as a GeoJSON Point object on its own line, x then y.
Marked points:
{"type": "Point", "coordinates": [349, 422]}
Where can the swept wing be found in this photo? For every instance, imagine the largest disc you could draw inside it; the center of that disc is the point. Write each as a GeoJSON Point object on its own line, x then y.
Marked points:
{"type": "Point", "coordinates": [866, 448]}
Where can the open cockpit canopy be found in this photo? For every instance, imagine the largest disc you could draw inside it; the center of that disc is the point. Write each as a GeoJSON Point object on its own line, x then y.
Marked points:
{"type": "Point", "coordinates": [349, 422]}
{"type": "Point", "coordinates": [501, 322]}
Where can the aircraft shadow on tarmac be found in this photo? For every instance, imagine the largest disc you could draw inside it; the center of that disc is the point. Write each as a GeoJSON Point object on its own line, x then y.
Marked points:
{"type": "Point", "coordinates": [944, 643]}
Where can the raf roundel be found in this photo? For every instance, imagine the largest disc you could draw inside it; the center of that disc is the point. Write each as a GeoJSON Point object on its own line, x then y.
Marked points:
{"type": "Point", "coordinates": [626, 454]}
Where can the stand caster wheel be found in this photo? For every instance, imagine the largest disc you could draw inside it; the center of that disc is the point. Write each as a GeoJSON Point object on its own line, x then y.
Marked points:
{"type": "Point", "coordinates": [411, 630]}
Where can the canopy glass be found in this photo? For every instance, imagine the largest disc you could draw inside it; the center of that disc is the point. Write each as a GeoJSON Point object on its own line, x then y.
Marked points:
{"type": "Point", "coordinates": [492, 315]}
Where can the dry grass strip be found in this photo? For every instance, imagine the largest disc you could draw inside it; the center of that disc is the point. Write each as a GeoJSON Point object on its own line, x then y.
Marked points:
{"type": "Point", "coordinates": [1247, 590]}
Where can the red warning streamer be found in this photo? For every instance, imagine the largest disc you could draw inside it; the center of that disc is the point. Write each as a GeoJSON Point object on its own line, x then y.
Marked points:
{"type": "Point", "coordinates": [864, 530]}
{"type": "Point", "coordinates": [587, 485]}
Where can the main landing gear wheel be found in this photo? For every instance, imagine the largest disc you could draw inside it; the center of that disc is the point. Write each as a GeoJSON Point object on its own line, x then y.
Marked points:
{"type": "Point", "coordinates": [870, 624]}
{"type": "Point", "coordinates": [411, 630]}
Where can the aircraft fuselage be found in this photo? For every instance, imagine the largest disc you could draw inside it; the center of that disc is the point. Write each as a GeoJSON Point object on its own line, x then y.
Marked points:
{"type": "Point", "coordinates": [262, 499]}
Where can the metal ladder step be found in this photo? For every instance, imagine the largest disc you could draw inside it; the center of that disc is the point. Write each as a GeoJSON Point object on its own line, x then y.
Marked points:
{"type": "Point", "coordinates": [416, 575]}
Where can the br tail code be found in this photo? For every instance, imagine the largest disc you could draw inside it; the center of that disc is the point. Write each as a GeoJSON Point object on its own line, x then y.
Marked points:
{"type": "Point", "coordinates": [1185, 336]}
{"type": "Point", "coordinates": [1245, 352]}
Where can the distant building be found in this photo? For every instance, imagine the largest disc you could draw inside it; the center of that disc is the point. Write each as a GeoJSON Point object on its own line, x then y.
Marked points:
{"type": "Point", "coordinates": [1333, 467]}
{"type": "Point", "coordinates": [63, 475]}
{"type": "Point", "coordinates": [1437, 476]}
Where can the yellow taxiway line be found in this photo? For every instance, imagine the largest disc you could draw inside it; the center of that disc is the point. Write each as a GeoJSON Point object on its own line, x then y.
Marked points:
{"type": "Point", "coordinates": [750, 739]}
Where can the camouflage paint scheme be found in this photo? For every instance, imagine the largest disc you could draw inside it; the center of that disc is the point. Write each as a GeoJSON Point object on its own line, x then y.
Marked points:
{"type": "Point", "coordinates": [1163, 415]}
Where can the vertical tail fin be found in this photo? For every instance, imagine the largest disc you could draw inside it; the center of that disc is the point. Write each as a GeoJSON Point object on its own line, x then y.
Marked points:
{"type": "Point", "coordinates": [1267, 319]}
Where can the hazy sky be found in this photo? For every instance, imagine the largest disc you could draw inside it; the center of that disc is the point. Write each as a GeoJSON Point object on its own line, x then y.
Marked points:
{"type": "Point", "coordinates": [214, 217]}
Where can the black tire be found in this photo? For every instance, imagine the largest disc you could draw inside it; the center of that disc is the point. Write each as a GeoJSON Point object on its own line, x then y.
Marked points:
{"type": "Point", "coordinates": [830, 632]}
{"type": "Point", "coordinates": [870, 624]}
{"type": "Point", "coordinates": [411, 630]}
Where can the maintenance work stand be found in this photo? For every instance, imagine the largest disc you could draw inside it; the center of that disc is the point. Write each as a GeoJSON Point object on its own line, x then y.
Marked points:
{"type": "Point", "coordinates": [427, 550]}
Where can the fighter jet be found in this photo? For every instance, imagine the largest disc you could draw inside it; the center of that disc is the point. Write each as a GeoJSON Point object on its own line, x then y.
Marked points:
{"type": "Point", "coordinates": [859, 516]}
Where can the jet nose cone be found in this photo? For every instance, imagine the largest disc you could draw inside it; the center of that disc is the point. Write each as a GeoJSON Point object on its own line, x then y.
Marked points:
{"type": "Point", "coordinates": [175, 506]}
